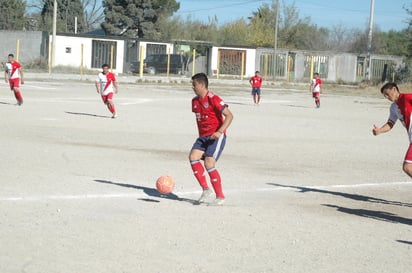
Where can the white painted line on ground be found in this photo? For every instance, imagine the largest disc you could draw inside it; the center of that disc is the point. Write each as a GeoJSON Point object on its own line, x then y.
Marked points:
{"type": "Point", "coordinates": [188, 193]}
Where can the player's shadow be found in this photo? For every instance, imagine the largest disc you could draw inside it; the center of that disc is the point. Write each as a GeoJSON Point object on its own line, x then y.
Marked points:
{"type": "Point", "coordinates": [352, 196]}
{"type": "Point", "coordinates": [404, 242]}
{"type": "Point", "coordinates": [86, 114]}
{"type": "Point", "coordinates": [373, 214]}
{"type": "Point", "coordinates": [7, 103]}
{"type": "Point", "coordinates": [296, 106]}
{"type": "Point", "coordinates": [152, 192]}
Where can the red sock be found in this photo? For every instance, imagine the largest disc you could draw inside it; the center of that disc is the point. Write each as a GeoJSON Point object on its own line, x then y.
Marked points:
{"type": "Point", "coordinates": [18, 96]}
{"type": "Point", "coordinates": [111, 107]}
{"type": "Point", "coordinates": [216, 182]}
{"type": "Point", "coordinates": [199, 173]}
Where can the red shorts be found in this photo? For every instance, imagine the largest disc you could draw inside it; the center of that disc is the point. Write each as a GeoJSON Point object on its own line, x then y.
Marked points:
{"type": "Point", "coordinates": [316, 94]}
{"type": "Point", "coordinates": [14, 83]}
{"type": "Point", "coordinates": [408, 156]}
{"type": "Point", "coordinates": [107, 97]}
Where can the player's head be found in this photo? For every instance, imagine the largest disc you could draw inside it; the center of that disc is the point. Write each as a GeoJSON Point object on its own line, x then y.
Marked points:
{"type": "Point", "coordinates": [316, 74]}
{"type": "Point", "coordinates": [10, 57]}
{"type": "Point", "coordinates": [200, 78]}
{"type": "Point", "coordinates": [390, 91]}
{"type": "Point", "coordinates": [257, 72]}
{"type": "Point", "coordinates": [105, 67]}
{"type": "Point", "coordinates": [389, 85]}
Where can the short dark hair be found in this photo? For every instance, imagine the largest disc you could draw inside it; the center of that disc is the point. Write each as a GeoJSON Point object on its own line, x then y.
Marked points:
{"type": "Point", "coordinates": [202, 78]}
{"type": "Point", "coordinates": [389, 85]}
{"type": "Point", "coordinates": [105, 65]}
{"type": "Point", "coordinates": [257, 71]}
{"type": "Point", "coordinates": [11, 55]}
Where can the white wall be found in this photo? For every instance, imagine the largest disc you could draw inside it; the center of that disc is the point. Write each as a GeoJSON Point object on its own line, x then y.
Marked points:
{"type": "Point", "coordinates": [74, 58]}
{"type": "Point", "coordinates": [249, 59]}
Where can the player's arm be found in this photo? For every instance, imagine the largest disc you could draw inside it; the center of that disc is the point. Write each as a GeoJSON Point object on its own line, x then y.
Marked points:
{"type": "Point", "coordinates": [226, 123]}
{"type": "Point", "coordinates": [97, 83]}
{"type": "Point", "coordinates": [116, 90]}
{"type": "Point", "coordinates": [6, 75]}
{"type": "Point", "coordinates": [383, 129]}
{"type": "Point", "coordinates": [21, 75]}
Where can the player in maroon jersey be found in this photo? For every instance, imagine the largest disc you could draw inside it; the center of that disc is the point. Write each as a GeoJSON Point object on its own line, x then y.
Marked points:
{"type": "Point", "coordinates": [13, 75]}
{"type": "Point", "coordinates": [401, 108]}
{"type": "Point", "coordinates": [213, 117]}
{"type": "Point", "coordinates": [256, 83]}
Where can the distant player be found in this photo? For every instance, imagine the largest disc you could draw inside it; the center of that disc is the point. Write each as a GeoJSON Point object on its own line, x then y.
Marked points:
{"type": "Point", "coordinates": [256, 83]}
{"type": "Point", "coordinates": [105, 85]}
{"type": "Point", "coordinates": [13, 74]}
{"type": "Point", "coordinates": [401, 108]}
{"type": "Point", "coordinates": [316, 88]}
{"type": "Point", "coordinates": [213, 118]}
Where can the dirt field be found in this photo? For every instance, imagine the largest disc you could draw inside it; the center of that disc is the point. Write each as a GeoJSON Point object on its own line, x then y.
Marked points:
{"type": "Point", "coordinates": [308, 190]}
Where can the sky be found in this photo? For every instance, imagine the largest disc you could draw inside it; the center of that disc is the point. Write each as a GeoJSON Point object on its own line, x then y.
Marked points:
{"type": "Point", "coordinates": [388, 14]}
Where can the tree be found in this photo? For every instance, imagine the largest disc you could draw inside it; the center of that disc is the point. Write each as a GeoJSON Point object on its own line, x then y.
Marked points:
{"type": "Point", "coordinates": [93, 14]}
{"type": "Point", "coordinates": [262, 26]}
{"type": "Point", "coordinates": [409, 31]}
{"type": "Point", "coordinates": [136, 18]}
{"type": "Point", "coordinates": [12, 14]}
{"type": "Point", "coordinates": [67, 11]}
{"type": "Point", "coordinates": [234, 33]}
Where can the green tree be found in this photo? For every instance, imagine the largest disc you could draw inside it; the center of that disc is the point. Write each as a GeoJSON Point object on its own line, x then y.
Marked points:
{"type": "Point", "coordinates": [408, 31]}
{"type": "Point", "coordinates": [234, 33]}
{"type": "Point", "coordinates": [67, 11]}
{"type": "Point", "coordinates": [136, 18]}
{"type": "Point", "coordinates": [262, 26]}
{"type": "Point", "coordinates": [12, 14]}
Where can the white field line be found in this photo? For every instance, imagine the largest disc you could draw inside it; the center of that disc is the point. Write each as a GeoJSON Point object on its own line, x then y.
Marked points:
{"type": "Point", "coordinates": [187, 193]}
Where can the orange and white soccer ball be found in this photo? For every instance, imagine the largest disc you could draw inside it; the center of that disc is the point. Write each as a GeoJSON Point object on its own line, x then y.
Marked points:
{"type": "Point", "coordinates": [165, 184]}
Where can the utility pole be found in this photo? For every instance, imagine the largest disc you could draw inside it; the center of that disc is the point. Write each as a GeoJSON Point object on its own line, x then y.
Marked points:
{"type": "Point", "coordinates": [275, 46]}
{"type": "Point", "coordinates": [54, 33]}
{"type": "Point", "coordinates": [368, 54]}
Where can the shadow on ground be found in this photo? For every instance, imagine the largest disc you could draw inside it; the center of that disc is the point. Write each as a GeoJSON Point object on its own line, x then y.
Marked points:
{"type": "Point", "coordinates": [152, 192]}
{"type": "Point", "coordinates": [373, 214]}
{"type": "Point", "coordinates": [352, 196]}
{"type": "Point", "coordinates": [86, 114]}
{"type": "Point", "coordinates": [377, 215]}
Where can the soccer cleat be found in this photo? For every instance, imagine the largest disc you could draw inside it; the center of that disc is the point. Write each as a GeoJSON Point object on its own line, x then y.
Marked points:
{"type": "Point", "coordinates": [114, 116]}
{"type": "Point", "coordinates": [217, 202]}
{"type": "Point", "coordinates": [205, 195]}
{"type": "Point", "coordinates": [19, 103]}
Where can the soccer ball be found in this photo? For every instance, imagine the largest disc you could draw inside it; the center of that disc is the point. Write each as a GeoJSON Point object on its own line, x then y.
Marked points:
{"type": "Point", "coordinates": [165, 184]}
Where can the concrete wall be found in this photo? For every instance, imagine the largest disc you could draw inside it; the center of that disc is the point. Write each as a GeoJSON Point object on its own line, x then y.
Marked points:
{"type": "Point", "coordinates": [28, 46]}
{"type": "Point", "coordinates": [249, 59]}
{"type": "Point", "coordinates": [74, 44]}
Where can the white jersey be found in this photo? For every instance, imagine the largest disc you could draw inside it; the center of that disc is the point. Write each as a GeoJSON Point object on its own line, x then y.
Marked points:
{"type": "Point", "coordinates": [13, 69]}
{"type": "Point", "coordinates": [106, 82]}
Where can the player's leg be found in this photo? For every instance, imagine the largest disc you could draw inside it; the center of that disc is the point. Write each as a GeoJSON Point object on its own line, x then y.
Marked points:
{"type": "Point", "coordinates": [407, 164]}
{"type": "Point", "coordinates": [258, 95]}
{"type": "Point", "coordinates": [195, 157]}
{"type": "Point", "coordinates": [110, 105]}
{"type": "Point", "coordinates": [212, 154]}
{"type": "Point", "coordinates": [254, 95]}
{"type": "Point", "coordinates": [15, 87]}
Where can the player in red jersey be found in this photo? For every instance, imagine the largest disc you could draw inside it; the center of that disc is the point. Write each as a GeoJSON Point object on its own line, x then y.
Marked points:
{"type": "Point", "coordinates": [105, 85]}
{"type": "Point", "coordinates": [13, 75]}
{"type": "Point", "coordinates": [213, 117]}
{"type": "Point", "coordinates": [401, 109]}
{"type": "Point", "coordinates": [316, 88]}
{"type": "Point", "coordinates": [256, 82]}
